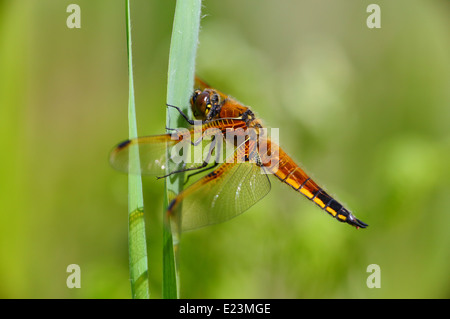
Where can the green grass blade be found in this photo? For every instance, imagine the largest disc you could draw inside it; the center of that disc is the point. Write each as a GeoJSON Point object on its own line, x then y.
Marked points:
{"type": "Point", "coordinates": [183, 49]}
{"type": "Point", "coordinates": [137, 245]}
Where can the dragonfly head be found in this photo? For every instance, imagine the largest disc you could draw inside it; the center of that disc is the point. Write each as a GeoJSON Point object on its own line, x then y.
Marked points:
{"type": "Point", "coordinates": [205, 104]}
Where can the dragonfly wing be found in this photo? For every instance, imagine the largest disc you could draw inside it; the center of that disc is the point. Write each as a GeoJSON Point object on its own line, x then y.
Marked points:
{"type": "Point", "coordinates": [153, 152]}
{"type": "Point", "coordinates": [221, 195]}
{"type": "Point", "coordinates": [189, 148]}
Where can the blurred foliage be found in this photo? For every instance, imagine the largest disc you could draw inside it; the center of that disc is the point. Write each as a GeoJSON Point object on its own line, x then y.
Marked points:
{"type": "Point", "coordinates": [365, 111]}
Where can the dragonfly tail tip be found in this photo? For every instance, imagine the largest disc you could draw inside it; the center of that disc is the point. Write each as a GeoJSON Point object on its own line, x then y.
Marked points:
{"type": "Point", "coordinates": [359, 224]}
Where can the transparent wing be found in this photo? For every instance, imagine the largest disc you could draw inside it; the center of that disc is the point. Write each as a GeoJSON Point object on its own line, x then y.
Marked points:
{"type": "Point", "coordinates": [221, 195]}
{"type": "Point", "coordinates": [154, 150]}
{"type": "Point", "coordinates": [189, 148]}
{"type": "Point", "coordinates": [152, 154]}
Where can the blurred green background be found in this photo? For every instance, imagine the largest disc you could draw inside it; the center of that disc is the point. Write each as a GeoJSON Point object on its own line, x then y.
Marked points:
{"type": "Point", "coordinates": [365, 111]}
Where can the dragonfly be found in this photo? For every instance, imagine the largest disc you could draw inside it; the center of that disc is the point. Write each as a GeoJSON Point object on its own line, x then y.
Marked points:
{"type": "Point", "coordinates": [230, 186]}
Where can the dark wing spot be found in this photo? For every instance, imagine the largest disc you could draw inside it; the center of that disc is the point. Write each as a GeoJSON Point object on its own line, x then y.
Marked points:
{"type": "Point", "coordinates": [123, 144]}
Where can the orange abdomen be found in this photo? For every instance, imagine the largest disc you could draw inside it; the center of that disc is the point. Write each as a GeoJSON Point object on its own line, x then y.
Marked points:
{"type": "Point", "coordinates": [283, 167]}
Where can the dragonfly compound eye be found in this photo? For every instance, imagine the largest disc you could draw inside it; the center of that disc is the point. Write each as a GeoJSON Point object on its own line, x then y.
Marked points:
{"type": "Point", "coordinates": [194, 96]}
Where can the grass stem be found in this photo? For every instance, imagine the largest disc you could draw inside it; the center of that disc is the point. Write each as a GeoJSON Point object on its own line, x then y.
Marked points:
{"type": "Point", "coordinates": [137, 245]}
{"type": "Point", "coordinates": [180, 82]}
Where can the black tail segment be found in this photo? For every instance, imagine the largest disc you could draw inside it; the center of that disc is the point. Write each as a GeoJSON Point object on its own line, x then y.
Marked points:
{"type": "Point", "coordinates": [335, 209]}
{"type": "Point", "coordinates": [350, 219]}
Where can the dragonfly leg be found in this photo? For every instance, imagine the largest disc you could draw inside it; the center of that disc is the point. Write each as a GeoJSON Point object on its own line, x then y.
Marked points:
{"type": "Point", "coordinates": [216, 162]}
{"type": "Point", "coordinates": [197, 142]}
{"type": "Point", "coordinates": [203, 165]}
{"type": "Point", "coordinates": [201, 171]}
{"type": "Point", "coordinates": [200, 139]}
{"type": "Point", "coordinates": [182, 113]}
{"type": "Point", "coordinates": [171, 129]}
